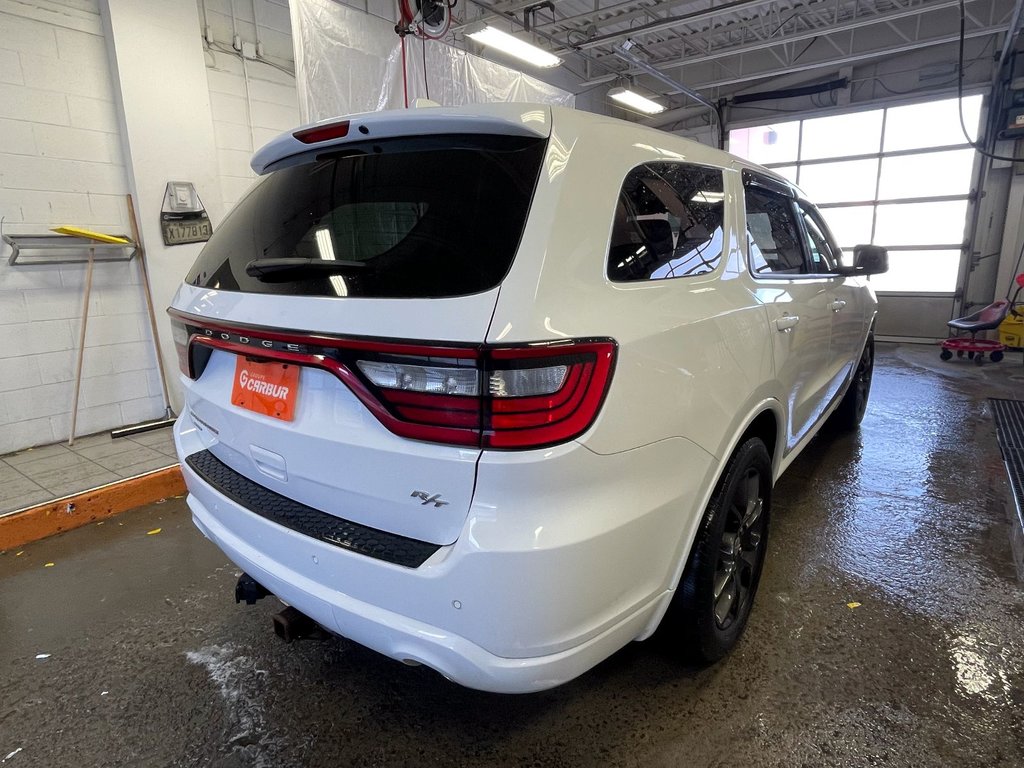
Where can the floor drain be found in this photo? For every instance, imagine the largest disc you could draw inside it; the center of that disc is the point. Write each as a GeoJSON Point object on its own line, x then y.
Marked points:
{"type": "Point", "coordinates": [1009, 416]}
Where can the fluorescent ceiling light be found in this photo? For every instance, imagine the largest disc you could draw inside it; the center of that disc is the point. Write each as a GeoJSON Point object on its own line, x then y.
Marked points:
{"type": "Point", "coordinates": [634, 100]}
{"type": "Point", "coordinates": [325, 244]}
{"type": "Point", "coordinates": [513, 46]}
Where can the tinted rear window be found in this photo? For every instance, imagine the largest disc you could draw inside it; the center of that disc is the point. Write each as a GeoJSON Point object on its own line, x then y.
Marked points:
{"type": "Point", "coordinates": [413, 218]}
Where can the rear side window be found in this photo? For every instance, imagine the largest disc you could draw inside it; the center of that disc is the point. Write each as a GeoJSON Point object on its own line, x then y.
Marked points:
{"type": "Point", "coordinates": [668, 223]}
{"type": "Point", "coordinates": [773, 235]}
{"type": "Point", "coordinates": [428, 217]}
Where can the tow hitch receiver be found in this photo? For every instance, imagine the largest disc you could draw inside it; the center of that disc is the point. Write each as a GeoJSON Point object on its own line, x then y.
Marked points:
{"type": "Point", "coordinates": [291, 624]}
{"type": "Point", "coordinates": [249, 590]}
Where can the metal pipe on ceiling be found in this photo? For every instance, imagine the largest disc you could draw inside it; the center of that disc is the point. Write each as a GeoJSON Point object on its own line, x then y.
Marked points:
{"type": "Point", "coordinates": [623, 52]}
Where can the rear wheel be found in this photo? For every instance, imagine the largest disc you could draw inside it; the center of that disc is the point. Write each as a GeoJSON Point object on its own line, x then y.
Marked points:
{"type": "Point", "coordinates": [996, 356]}
{"type": "Point", "coordinates": [717, 591]}
{"type": "Point", "coordinates": [946, 354]}
{"type": "Point", "coordinates": [851, 409]}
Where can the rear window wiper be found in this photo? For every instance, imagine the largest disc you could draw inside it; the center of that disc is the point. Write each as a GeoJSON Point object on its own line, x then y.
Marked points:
{"type": "Point", "coordinates": [271, 270]}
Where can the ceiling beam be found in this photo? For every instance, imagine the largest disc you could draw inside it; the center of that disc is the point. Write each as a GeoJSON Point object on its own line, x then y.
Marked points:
{"type": "Point", "coordinates": [849, 59]}
{"type": "Point", "coordinates": [808, 34]}
{"type": "Point", "coordinates": [672, 21]}
{"type": "Point", "coordinates": [666, 65]}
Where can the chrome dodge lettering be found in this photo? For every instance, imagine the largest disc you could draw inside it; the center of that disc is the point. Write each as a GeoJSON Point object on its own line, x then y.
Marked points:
{"type": "Point", "coordinates": [249, 341]}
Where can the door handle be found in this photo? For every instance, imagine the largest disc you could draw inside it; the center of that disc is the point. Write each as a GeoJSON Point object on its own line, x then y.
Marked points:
{"type": "Point", "coordinates": [836, 305]}
{"type": "Point", "coordinates": [786, 323]}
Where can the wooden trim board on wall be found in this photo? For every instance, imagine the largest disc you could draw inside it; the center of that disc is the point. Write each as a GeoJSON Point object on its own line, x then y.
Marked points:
{"type": "Point", "coordinates": [38, 522]}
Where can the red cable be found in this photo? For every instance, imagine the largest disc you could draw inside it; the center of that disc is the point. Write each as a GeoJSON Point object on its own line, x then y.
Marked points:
{"type": "Point", "coordinates": [405, 83]}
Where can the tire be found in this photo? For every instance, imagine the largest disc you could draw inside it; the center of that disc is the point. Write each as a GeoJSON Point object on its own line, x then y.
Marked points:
{"type": "Point", "coordinates": [716, 593]}
{"type": "Point", "coordinates": [854, 404]}
{"type": "Point", "coordinates": [947, 355]}
{"type": "Point", "coordinates": [996, 356]}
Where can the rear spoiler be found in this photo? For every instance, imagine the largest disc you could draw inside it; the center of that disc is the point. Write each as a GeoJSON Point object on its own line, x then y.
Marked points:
{"type": "Point", "coordinates": [501, 119]}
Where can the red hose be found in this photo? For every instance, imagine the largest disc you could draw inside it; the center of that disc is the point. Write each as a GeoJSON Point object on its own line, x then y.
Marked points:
{"type": "Point", "coordinates": [406, 12]}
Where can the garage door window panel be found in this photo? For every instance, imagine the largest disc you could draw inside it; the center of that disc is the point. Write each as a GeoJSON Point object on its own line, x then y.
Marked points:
{"type": "Point", "coordinates": [843, 182]}
{"type": "Point", "coordinates": [931, 124]}
{"type": "Point", "coordinates": [919, 197]}
{"type": "Point", "coordinates": [929, 174]}
{"type": "Point", "coordinates": [851, 225]}
{"type": "Point", "coordinates": [919, 271]}
{"type": "Point", "coordinates": [857, 133]}
{"type": "Point", "coordinates": [764, 144]}
{"type": "Point", "coordinates": [668, 223]}
{"type": "Point", "coordinates": [921, 224]}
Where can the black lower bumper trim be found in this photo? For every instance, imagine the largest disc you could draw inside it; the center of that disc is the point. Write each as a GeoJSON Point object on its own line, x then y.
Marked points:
{"type": "Point", "coordinates": [279, 509]}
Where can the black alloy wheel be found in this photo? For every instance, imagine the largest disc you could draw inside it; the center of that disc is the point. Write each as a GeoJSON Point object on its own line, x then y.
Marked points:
{"type": "Point", "coordinates": [716, 593]}
{"type": "Point", "coordinates": [741, 550]}
{"type": "Point", "coordinates": [854, 404]}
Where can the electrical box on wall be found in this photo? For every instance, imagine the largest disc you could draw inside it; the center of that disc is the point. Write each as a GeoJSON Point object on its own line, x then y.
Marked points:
{"type": "Point", "coordinates": [182, 217]}
{"type": "Point", "coordinates": [1014, 124]}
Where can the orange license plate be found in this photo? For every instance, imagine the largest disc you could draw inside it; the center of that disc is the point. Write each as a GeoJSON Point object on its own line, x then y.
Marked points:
{"type": "Point", "coordinates": [267, 388]}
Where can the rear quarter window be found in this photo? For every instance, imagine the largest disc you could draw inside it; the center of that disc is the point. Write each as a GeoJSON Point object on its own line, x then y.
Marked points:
{"type": "Point", "coordinates": [431, 217]}
{"type": "Point", "coordinates": [668, 223]}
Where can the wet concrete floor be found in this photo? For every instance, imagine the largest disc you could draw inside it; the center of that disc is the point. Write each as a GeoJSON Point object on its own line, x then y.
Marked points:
{"type": "Point", "coordinates": [888, 631]}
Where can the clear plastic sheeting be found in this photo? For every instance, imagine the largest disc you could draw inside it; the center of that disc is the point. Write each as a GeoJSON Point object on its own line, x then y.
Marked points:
{"type": "Point", "coordinates": [348, 62]}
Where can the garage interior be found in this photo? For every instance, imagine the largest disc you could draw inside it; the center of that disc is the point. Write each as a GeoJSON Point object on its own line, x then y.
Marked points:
{"type": "Point", "coordinates": [888, 628]}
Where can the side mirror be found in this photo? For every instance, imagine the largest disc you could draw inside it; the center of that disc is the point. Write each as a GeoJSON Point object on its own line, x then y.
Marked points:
{"type": "Point", "coordinates": [867, 260]}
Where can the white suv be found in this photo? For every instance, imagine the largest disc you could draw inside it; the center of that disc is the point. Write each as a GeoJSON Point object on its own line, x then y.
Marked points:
{"type": "Point", "coordinates": [496, 389]}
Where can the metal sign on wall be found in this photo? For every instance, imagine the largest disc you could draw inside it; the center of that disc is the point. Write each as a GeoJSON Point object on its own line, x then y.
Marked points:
{"type": "Point", "coordinates": [182, 217]}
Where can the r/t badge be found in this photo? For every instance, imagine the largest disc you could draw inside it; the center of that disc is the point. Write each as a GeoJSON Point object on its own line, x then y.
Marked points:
{"type": "Point", "coordinates": [426, 498]}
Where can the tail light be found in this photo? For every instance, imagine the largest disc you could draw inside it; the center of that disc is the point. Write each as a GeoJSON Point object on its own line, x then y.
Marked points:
{"type": "Point", "coordinates": [507, 397]}
{"type": "Point", "coordinates": [540, 395]}
{"type": "Point", "coordinates": [180, 335]}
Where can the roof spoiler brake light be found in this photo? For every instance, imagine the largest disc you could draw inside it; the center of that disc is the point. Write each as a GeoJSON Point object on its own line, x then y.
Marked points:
{"type": "Point", "coordinates": [318, 133]}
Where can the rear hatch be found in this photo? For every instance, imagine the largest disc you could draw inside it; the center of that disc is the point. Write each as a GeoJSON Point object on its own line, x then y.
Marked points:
{"type": "Point", "coordinates": [331, 329]}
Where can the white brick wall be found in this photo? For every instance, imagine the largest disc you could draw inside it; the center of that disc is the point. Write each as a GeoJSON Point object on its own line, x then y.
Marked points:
{"type": "Point", "coordinates": [252, 102]}
{"type": "Point", "coordinates": [61, 163]}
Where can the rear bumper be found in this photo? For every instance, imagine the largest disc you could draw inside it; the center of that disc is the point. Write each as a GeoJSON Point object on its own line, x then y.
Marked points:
{"type": "Point", "coordinates": [547, 579]}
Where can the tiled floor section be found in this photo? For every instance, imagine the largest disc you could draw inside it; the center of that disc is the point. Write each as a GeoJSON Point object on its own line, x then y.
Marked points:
{"type": "Point", "coordinates": [41, 474]}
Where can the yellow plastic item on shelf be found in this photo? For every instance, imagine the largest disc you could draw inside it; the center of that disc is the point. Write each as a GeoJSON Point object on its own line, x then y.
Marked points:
{"type": "Point", "coordinates": [1011, 331]}
{"type": "Point", "coordinates": [97, 236]}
